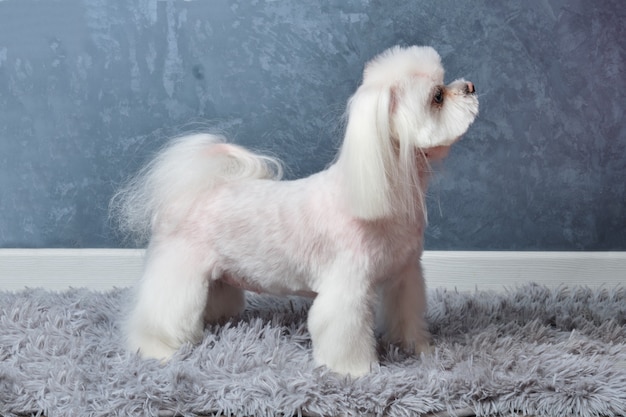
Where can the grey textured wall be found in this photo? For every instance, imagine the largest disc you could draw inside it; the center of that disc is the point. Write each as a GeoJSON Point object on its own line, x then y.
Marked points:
{"type": "Point", "coordinates": [89, 88]}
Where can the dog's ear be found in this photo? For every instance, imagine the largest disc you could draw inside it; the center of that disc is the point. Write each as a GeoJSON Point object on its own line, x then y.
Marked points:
{"type": "Point", "coordinates": [367, 154]}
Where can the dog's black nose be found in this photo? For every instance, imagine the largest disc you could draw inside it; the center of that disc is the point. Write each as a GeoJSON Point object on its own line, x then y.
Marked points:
{"type": "Point", "coordinates": [469, 88]}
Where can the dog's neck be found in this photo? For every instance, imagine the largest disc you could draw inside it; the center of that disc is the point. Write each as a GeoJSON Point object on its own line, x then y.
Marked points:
{"type": "Point", "coordinates": [404, 193]}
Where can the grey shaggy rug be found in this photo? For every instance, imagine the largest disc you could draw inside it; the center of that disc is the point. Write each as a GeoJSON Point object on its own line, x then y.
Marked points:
{"type": "Point", "coordinates": [532, 350]}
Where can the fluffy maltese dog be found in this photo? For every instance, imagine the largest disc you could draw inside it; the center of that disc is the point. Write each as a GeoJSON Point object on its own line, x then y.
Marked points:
{"type": "Point", "coordinates": [219, 222]}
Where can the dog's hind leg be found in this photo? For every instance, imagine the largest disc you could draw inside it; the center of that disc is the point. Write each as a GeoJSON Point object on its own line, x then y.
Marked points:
{"type": "Point", "coordinates": [403, 308]}
{"type": "Point", "coordinates": [341, 325]}
{"type": "Point", "coordinates": [224, 301]}
{"type": "Point", "coordinates": [170, 300]}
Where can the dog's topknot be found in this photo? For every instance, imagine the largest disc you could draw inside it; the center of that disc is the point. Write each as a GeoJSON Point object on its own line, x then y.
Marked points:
{"type": "Point", "coordinates": [398, 63]}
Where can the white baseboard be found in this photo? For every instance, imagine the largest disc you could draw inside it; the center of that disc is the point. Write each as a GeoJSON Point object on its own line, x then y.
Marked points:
{"type": "Point", "coordinates": [102, 269]}
{"type": "Point", "coordinates": [60, 269]}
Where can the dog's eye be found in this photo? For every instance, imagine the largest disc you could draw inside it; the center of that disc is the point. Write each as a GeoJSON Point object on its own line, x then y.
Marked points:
{"type": "Point", "coordinates": [438, 96]}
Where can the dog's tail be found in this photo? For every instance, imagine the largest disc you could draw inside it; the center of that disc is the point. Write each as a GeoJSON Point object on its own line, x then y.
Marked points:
{"type": "Point", "coordinates": [167, 187]}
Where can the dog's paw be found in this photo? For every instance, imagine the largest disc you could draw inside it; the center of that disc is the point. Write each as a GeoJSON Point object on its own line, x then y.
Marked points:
{"type": "Point", "coordinates": [415, 342]}
{"type": "Point", "coordinates": [151, 347]}
{"type": "Point", "coordinates": [354, 369]}
{"type": "Point", "coordinates": [424, 347]}
{"type": "Point", "coordinates": [341, 358]}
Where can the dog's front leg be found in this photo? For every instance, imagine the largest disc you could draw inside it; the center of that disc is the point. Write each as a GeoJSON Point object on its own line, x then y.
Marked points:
{"type": "Point", "coordinates": [341, 324]}
{"type": "Point", "coordinates": [403, 309]}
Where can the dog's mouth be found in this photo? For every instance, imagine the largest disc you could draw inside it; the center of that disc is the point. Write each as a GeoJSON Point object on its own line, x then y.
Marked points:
{"type": "Point", "coordinates": [436, 153]}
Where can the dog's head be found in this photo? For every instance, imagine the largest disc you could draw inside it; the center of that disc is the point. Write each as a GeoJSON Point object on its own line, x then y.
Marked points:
{"type": "Point", "coordinates": [402, 109]}
{"type": "Point", "coordinates": [422, 110]}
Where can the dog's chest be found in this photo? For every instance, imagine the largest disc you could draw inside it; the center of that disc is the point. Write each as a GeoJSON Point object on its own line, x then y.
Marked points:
{"type": "Point", "coordinates": [390, 246]}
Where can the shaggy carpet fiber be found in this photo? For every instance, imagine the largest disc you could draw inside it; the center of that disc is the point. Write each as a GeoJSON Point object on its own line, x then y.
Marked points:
{"type": "Point", "coordinates": [527, 351]}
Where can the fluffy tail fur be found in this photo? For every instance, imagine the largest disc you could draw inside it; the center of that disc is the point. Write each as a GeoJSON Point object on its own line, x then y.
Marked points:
{"type": "Point", "coordinates": [168, 186]}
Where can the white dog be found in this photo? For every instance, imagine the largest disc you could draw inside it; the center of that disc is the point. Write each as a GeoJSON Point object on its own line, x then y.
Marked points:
{"type": "Point", "coordinates": [219, 222]}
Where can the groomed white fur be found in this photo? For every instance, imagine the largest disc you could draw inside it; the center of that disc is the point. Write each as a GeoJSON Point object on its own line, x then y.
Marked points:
{"type": "Point", "coordinates": [219, 222]}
